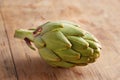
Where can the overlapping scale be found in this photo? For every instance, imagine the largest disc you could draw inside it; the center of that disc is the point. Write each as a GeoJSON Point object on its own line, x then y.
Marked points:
{"type": "Point", "coordinates": [65, 44]}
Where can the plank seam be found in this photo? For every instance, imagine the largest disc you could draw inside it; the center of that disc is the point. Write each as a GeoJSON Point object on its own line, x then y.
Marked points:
{"type": "Point", "coordinates": [16, 74]}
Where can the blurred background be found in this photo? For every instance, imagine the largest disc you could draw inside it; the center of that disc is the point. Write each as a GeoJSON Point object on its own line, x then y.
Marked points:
{"type": "Point", "coordinates": [100, 17]}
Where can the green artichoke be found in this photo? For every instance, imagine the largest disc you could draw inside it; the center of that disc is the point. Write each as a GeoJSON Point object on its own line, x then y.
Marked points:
{"type": "Point", "coordinates": [62, 43]}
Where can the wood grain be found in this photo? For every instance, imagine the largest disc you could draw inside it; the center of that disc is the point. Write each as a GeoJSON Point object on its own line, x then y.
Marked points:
{"type": "Point", "coordinates": [7, 67]}
{"type": "Point", "coordinates": [100, 17]}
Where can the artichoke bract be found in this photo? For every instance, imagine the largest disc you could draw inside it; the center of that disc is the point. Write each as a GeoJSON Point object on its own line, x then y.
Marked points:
{"type": "Point", "coordinates": [62, 43]}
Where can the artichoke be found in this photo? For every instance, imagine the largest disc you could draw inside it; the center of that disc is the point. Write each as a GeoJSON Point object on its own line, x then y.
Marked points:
{"type": "Point", "coordinates": [62, 43]}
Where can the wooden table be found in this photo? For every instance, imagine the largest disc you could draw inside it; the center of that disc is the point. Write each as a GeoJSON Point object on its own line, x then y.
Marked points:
{"type": "Point", "coordinates": [100, 17]}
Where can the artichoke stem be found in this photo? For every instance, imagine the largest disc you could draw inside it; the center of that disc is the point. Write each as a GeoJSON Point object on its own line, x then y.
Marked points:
{"type": "Point", "coordinates": [22, 34]}
{"type": "Point", "coordinates": [26, 35]}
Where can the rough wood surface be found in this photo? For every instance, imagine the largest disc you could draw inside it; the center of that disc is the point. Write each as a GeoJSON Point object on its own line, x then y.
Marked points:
{"type": "Point", "coordinates": [100, 17]}
{"type": "Point", "coordinates": [7, 67]}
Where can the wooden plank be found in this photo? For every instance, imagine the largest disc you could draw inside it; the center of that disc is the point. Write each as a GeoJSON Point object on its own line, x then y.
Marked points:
{"type": "Point", "coordinates": [98, 17]}
{"type": "Point", "coordinates": [7, 68]}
